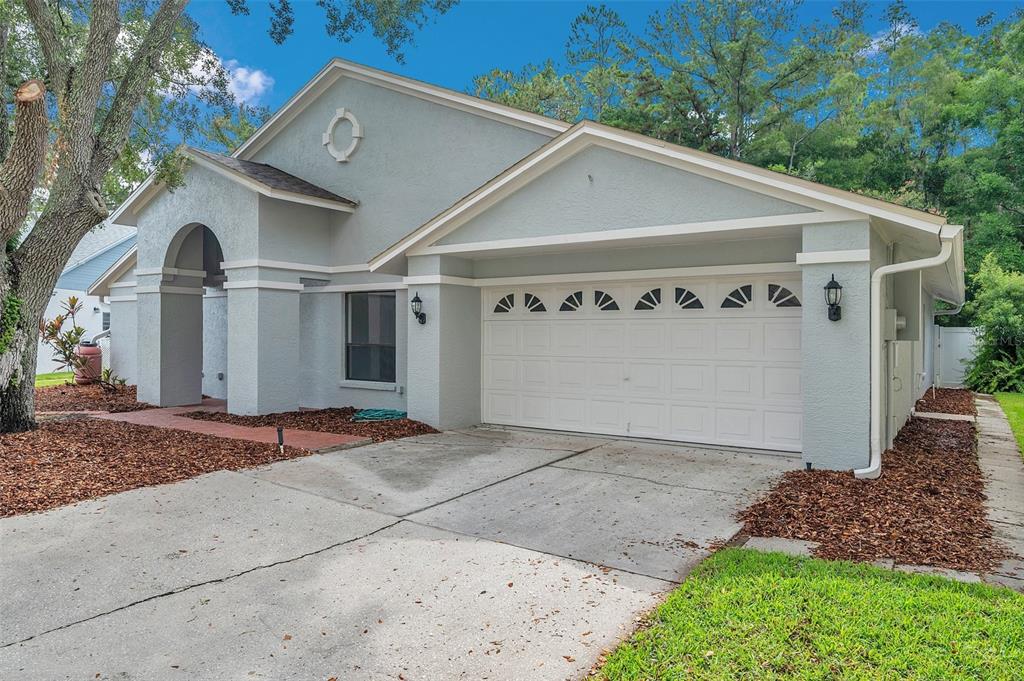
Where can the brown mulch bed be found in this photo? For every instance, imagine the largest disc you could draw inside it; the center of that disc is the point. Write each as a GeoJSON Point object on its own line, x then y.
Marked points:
{"type": "Point", "coordinates": [927, 508]}
{"type": "Point", "coordinates": [335, 420]}
{"type": "Point", "coordinates": [88, 398]}
{"type": "Point", "coordinates": [947, 401]}
{"type": "Point", "coordinates": [66, 461]}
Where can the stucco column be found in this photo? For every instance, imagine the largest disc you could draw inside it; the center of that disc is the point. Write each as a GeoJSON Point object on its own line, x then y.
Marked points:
{"type": "Point", "coordinates": [263, 347]}
{"type": "Point", "coordinates": [836, 367]}
{"type": "Point", "coordinates": [170, 343]}
{"type": "Point", "coordinates": [444, 357]}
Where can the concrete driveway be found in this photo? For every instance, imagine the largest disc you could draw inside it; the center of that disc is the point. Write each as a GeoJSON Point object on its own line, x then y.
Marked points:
{"type": "Point", "coordinates": [479, 554]}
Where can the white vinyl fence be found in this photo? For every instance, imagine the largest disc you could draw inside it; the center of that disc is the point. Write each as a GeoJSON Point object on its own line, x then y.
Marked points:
{"type": "Point", "coordinates": [953, 347]}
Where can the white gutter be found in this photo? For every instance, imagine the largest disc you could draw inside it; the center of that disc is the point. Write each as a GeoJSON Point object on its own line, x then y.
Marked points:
{"type": "Point", "coordinates": [947, 239]}
{"type": "Point", "coordinates": [951, 311]}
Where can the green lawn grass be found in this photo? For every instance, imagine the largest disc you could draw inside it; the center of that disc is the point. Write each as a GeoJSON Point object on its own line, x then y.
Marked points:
{"type": "Point", "coordinates": [59, 378]}
{"type": "Point", "coordinates": [1013, 407]}
{"type": "Point", "coordinates": [749, 615]}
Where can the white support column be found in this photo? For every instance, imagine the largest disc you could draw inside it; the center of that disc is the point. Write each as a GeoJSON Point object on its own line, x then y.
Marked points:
{"type": "Point", "coordinates": [170, 344]}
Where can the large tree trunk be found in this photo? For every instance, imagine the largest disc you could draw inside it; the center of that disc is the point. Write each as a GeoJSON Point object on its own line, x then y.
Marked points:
{"type": "Point", "coordinates": [17, 402]}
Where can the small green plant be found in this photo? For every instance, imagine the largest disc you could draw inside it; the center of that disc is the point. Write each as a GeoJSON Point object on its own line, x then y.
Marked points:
{"type": "Point", "coordinates": [998, 309]}
{"type": "Point", "coordinates": [66, 342]}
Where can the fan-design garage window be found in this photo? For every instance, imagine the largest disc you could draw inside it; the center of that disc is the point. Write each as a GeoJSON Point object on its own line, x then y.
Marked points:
{"type": "Point", "coordinates": [739, 297]}
{"type": "Point", "coordinates": [533, 303]}
{"type": "Point", "coordinates": [603, 301]}
{"type": "Point", "coordinates": [506, 303]}
{"type": "Point", "coordinates": [688, 300]}
{"type": "Point", "coordinates": [649, 300]}
{"type": "Point", "coordinates": [572, 302]}
{"type": "Point", "coordinates": [782, 296]}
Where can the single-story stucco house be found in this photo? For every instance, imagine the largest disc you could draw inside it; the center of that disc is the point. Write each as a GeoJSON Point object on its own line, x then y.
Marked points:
{"type": "Point", "coordinates": [567, 277]}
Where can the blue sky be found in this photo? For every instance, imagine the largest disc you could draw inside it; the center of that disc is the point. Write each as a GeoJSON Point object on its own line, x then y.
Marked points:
{"type": "Point", "coordinates": [473, 37]}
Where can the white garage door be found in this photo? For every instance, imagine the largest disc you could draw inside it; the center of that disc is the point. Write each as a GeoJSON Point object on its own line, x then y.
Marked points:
{"type": "Point", "coordinates": [696, 360]}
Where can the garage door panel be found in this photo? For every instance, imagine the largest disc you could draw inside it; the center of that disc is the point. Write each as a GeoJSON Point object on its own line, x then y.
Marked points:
{"type": "Point", "coordinates": [646, 419]}
{"type": "Point", "coordinates": [569, 376]}
{"type": "Point", "coordinates": [569, 338]}
{"type": "Point", "coordinates": [691, 380]}
{"type": "Point", "coordinates": [739, 383]}
{"type": "Point", "coordinates": [691, 422]}
{"type": "Point", "coordinates": [607, 340]}
{"type": "Point", "coordinates": [646, 378]}
{"type": "Point", "coordinates": [535, 409]}
{"type": "Point", "coordinates": [783, 429]}
{"type": "Point", "coordinates": [648, 339]}
{"type": "Point", "coordinates": [782, 383]}
{"type": "Point", "coordinates": [607, 416]}
{"type": "Point", "coordinates": [707, 373]}
{"type": "Point", "coordinates": [501, 338]}
{"type": "Point", "coordinates": [502, 373]}
{"type": "Point", "coordinates": [536, 374]}
{"type": "Point", "coordinates": [606, 376]}
{"type": "Point", "coordinates": [536, 338]}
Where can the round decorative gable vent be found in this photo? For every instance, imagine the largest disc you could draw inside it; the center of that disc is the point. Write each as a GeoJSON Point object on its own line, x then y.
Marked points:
{"type": "Point", "coordinates": [342, 155]}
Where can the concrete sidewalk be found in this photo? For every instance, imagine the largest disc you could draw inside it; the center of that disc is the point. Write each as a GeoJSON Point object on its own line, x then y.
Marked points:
{"type": "Point", "coordinates": [1001, 463]}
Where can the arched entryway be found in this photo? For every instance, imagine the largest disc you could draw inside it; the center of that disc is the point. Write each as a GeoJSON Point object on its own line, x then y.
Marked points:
{"type": "Point", "coordinates": [183, 321]}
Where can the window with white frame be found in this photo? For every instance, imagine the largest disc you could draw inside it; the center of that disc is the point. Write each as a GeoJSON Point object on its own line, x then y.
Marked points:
{"type": "Point", "coordinates": [370, 336]}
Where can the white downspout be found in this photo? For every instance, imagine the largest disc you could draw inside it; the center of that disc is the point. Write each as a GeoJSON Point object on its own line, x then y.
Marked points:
{"type": "Point", "coordinates": [874, 468]}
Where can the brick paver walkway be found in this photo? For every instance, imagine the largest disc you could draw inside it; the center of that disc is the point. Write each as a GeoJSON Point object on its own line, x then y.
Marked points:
{"type": "Point", "coordinates": [169, 417]}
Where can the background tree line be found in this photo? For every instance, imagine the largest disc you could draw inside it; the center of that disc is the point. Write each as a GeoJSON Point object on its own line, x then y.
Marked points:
{"type": "Point", "coordinates": [929, 119]}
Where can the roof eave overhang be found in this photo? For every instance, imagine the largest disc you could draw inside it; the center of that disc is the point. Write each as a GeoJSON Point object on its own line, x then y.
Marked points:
{"type": "Point", "coordinates": [101, 287]}
{"type": "Point", "coordinates": [817, 197]}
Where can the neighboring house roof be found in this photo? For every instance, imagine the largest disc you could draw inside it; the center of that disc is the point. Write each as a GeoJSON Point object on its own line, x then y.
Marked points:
{"type": "Point", "coordinates": [101, 284]}
{"type": "Point", "coordinates": [94, 254]}
{"type": "Point", "coordinates": [336, 68]}
{"type": "Point", "coordinates": [839, 203]}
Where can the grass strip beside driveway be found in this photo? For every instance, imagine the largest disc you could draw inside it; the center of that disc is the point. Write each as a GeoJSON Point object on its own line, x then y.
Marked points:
{"type": "Point", "coordinates": [1013, 407]}
{"type": "Point", "coordinates": [745, 614]}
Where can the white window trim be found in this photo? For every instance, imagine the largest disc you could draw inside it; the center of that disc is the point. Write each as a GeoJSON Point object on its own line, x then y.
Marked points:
{"type": "Point", "coordinates": [368, 385]}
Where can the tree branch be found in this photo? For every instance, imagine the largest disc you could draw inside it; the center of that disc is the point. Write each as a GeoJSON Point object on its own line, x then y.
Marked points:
{"type": "Point", "coordinates": [53, 50]}
{"type": "Point", "coordinates": [143, 65]}
{"type": "Point", "coordinates": [21, 167]}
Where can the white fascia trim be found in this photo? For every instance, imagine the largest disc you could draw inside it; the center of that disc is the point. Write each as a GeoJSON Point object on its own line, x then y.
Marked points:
{"type": "Point", "coordinates": [624, 275]}
{"type": "Point", "coordinates": [337, 68]}
{"type": "Point", "coordinates": [122, 284]}
{"type": "Point", "coordinates": [175, 271]}
{"type": "Point", "coordinates": [263, 284]}
{"type": "Point", "coordinates": [824, 257]}
{"type": "Point", "coordinates": [121, 299]}
{"type": "Point", "coordinates": [425, 279]}
{"type": "Point", "coordinates": [270, 192]}
{"type": "Point", "coordinates": [183, 290]}
{"type": "Point", "coordinates": [120, 266]}
{"type": "Point", "coordinates": [348, 288]}
{"type": "Point", "coordinates": [658, 231]}
{"type": "Point", "coordinates": [293, 266]}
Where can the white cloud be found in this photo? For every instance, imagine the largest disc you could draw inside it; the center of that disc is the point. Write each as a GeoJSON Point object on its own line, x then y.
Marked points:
{"type": "Point", "coordinates": [246, 84]}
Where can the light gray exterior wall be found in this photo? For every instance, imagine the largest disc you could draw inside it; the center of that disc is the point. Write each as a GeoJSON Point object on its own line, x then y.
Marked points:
{"type": "Point", "coordinates": [444, 364]}
{"type": "Point", "coordinates": [836, 355]}
{"type": "Point", "coordinates": [123, 347]}
{"type": "Point", "coordinates": [215, 344]}
{"type": "Point", "coordinates": [928, 340]}
{"type": "Point", "coordinates": [600, 189]}
{"type": "Point", "coordinates": [416, 159]}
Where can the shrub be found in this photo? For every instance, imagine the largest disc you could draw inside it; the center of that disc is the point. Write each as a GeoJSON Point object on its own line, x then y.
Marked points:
{"type": "Point", "coordinates": [998, 309]}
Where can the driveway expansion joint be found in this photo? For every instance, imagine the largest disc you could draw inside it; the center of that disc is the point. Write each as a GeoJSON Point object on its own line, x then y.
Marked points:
{"type": "Point", "coordinates": [556, 464]}
{"type": "Point", "coordinates": [189, 587]}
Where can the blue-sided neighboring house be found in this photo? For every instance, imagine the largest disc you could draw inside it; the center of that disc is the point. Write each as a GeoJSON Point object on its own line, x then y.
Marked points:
{"type": "Point", "coordinates": [100, 249]}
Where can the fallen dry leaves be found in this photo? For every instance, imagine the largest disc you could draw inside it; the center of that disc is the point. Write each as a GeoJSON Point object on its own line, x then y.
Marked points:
{"type": "Point", "coordinates": [927, 508]}
{"type": "Point", "coordinates": [947, 401]}
{"type": "Point", "coordinates": [62, 462]}
{"type": "Point", "coordinates": [336, 420]}
{"type": "Point", "coordinates": [88, 398]}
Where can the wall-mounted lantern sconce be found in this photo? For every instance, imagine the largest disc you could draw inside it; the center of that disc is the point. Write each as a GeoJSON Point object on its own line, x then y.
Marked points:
{"type": "Point", "coordinates": [417, 309]}
{"type": "Point", "coordinates": [834, 294]}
